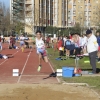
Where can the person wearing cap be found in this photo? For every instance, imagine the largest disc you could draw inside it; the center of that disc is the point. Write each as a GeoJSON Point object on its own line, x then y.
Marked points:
{"type": "Point", "coordinates": [92, 48]}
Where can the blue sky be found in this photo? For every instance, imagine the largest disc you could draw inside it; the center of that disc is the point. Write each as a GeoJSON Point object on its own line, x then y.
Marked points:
{"type": "Point", "coordinates": [6, 2]}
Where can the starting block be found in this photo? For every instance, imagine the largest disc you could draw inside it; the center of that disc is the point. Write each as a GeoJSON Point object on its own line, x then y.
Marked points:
{"type": "Point", "coordinates": [15, 72]}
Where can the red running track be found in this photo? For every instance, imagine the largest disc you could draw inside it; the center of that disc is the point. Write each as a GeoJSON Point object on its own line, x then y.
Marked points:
{"type": "Point", "coordinates": [27, 63]}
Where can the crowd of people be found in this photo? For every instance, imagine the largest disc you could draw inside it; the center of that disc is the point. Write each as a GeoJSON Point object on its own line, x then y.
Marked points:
{"type": "Point", "coordinates": [74, 45]}
{"type": "Point", "coordinates": [78, 45]}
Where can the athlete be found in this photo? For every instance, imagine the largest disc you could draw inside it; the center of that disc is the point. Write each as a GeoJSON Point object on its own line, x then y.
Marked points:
{"type": "Point", "coordinates": [22, 43]}
{"type": "Point", "coordinates": [41, 51]}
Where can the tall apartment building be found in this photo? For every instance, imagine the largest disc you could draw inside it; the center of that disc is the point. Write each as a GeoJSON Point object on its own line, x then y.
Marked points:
{"type": "Point", "coordinates": [17, 10]}
{"type": "Point", "coordinates": [58, 13]}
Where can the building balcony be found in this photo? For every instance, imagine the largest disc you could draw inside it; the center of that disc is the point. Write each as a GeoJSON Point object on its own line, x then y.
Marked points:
{"type": "Point", "coordinates": [74, 9]}
{"type": "Point", "coordinates": [89, 4]}
{"type": "Point", "coordinates": [28, 15]}
{"type": "Point", "coordinates": [74, 4]}
{"type": "Point", "coordinates": [17, 14]}
{"type": "Point", "coordinates": [28, 2]}
{"type": "Point", "coordinates": [86, 4]}
{"type": "Point", "coordinates": [28, 9]}
{"type": "Point", "coordinates": [15, 11]}
{"type": "Point", "coordinates": [69, 15]}
{"type": "Point", "coordinates": [85, 9]}
{"type": "Point", "coordinates": [89, 9]}
{"type": "Point", "coordinates": [89, 15]}
{"type": "Point", "coordinates": [74, 14]}
{"type": "Point", "coordinates": [86, 14]}
{"type": "Point", "coordinates": [14, 0]}
{"type": "Point", "coordinates": [17, 6]}
{"type": "Point", "coordinates": [19, 1]}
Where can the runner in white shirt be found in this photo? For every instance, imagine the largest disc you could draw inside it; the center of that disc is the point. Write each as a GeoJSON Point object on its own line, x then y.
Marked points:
{"type": "Point", "coordinates": [40, 49]}
{"type": "Point", "coordinates": [22, 43]}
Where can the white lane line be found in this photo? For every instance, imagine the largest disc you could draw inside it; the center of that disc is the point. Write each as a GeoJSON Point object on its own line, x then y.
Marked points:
{"type": "Point", "coordinates": [54, 72]}
{"type": "Point", "coordinates": [24, 67]}
{"type": "Point", "coordinates": [7, 59]}
{"type": "Point", "coordinates": [36, 75]}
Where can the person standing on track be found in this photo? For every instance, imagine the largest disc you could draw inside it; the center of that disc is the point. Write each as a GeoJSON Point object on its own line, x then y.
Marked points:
{"type": "Point", "coordinates": [41, 51]}
{"type": "Point", "coordinates": [22, 43]}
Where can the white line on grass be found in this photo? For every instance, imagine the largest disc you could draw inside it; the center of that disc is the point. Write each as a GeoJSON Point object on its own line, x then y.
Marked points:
{"type": "Point", "coordinates": [24, 66]}
{"type": "Point", "coordinates": [54, 72]}
{"type": "Point", "coordinates": [7, 59]}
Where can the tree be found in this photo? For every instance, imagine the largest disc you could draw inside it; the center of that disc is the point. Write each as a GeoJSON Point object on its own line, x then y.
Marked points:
{"type": "Point", "coordinates": [19, 27]}
{"type": "Point", "coordinates": [51, 30]}
{"type": "Point", "coordinates": [75, 29]}
{"type": "Point", "coordinates": [80, 22]}
{"type": "Point", "coordinates": [97, 14]}
{"type": "Point", "coordinates": [5, 25]}
{"type": "Point", "coordinates": [2, 17]}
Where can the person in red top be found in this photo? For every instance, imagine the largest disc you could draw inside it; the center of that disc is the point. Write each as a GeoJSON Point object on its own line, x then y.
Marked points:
{"type": "Point", "coordinates": [60, 46]}
{"type": "Point", "coordinates": [70, 36]}
{"type": "Point", "coordinates": [10, 44]}
{"type": "Point", "coordinates": [47, 41]}
{"type": "Point", "coordinates": [13, 42]}
{"type": "Point", "coordinates": [0, 38]}
{"type": "Point", "coordinates": [60, 43]}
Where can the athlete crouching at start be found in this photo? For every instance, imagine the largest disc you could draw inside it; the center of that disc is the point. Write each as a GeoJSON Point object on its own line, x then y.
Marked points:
{"type": "Point", "coordinates": [41, 51]}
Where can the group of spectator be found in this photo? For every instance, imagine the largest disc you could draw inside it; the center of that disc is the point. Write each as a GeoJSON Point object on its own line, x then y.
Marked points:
{"type": "Point", "coordinates": [73, 45]}
{"type": "Point", "coordinates": [12, 41]}
{"type": "Point", "coordinates": [77, 45]}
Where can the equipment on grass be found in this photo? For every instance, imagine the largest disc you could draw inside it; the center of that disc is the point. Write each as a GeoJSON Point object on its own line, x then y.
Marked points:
{"type": "Point", "coordinates": [67, 71]}
{"type": "Point", "coordinates": [87, 61]}
{"type": "Point", "coordinates": [61, 48]}
{"type": "Point", "coordinates": [85, 72]}
{"type": "Point", "coordinates": [58, 58]}
{"type": "Point", "coordinates": [77, 70]}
